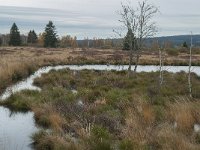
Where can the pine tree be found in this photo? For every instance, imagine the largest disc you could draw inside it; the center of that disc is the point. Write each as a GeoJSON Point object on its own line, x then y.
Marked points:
{"type": "Point", "coordinates": [50, 37]}
{"type": "Point", "coordinates": [185, 44]}
{"type": "Point", "coordinates": [32, 37]}
{"type": "Point", "coordinates": [14, 36]}
{"type": "Point", "coordinates": [35, 38]}
{"type": "Point", "coordinates": [1, 41]}
{"type": "Point", "coordinates": [126, 42]}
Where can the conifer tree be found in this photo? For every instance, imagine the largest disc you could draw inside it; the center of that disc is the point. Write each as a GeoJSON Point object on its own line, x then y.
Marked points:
{"type": "Point", "coordinates": [14, 36]}
{"type": "Point", "coordinates": [32, 37]}
{"type": "Point", "coordinates": [185, 44]}
{"type": "Point", "coordinates": [50, 36]}
{"type": "Point", "coordinates": [126, 42]}
{"type": "Point", "coordinates": [1, 41]}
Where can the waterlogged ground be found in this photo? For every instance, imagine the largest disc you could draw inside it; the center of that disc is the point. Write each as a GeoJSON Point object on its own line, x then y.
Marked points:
{"type": "Point", "coordinates": [16, 130]}
{"type": "Point", "coordinates": [28, 83]}
{"type": "Point", "coordinates": [88, 109]}
{"type": "Point", "coordinates": [97, 110]}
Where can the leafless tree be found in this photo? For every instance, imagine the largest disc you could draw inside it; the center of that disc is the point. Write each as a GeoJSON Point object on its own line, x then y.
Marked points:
{"type": "Point", "coordinates": [161, 62]}
{"type": "Point", "coordinates": [190, 65]}
{"type": "Point", "coordinates": [139, 22]}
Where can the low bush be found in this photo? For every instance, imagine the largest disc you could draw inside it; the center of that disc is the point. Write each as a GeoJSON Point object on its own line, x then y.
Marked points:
{"type": "Point", "coordinates": [100, 139]}
{"type": "Point", "coordinates": [172, 52]}
{"type": "Point", "coordinates": [126, 145]}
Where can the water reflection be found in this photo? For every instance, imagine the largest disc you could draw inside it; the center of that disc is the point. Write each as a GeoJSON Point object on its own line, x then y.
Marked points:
{"type": "Point", "coordinates": [16, 129]}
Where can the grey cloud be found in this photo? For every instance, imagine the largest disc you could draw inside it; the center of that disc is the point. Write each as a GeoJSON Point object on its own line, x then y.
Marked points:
{"type": "Point", "coordinates": [95, 17]}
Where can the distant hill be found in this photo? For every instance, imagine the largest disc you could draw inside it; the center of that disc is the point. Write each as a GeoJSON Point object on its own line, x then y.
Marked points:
{"type": "Point", "coordinates": [177, 40]}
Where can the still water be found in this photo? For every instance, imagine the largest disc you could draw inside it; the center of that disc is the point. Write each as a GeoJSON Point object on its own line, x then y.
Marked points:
{"type": "Point", "coordinates": [16, 130]}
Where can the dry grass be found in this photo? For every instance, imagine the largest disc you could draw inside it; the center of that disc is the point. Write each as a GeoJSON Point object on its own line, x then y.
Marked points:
{"type": "Point", "coordinates": [45, 141]}
{"type": "Point", "coordinates": [139, 123]}
{"type": "Point", "coordinates": [56, 121]}
{"type": "Point", "coordinates": [170, 139]}
{"type": "Point", "coordinates": [185, 114]}
{"type": "Point", "coordinates": [142, 129]}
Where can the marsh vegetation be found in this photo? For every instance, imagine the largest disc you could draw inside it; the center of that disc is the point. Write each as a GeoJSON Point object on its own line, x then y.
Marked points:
{"type": "Point", "coordinates": [17, 63]}
{"type": "Point", "coordinates": [107, 110]}
{"type": "Point", "coordinates": [94, 108]}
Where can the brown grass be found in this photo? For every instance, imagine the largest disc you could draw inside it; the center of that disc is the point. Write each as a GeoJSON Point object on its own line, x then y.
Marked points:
{"type": "Point", "coordinates": [142, 130]}
{"type": "Point", "coordinates": [185, 113]}
{"type": "Point", "coordinates": [171, 139]}
{"type": "Point", "coordinates": [56, 121]}
{"type": "Point", "coordinates": [54, 142]}
{"type": "Point", "coordinates": [139, 122]}
{"type": "Point", "coordinates": [148, 113]}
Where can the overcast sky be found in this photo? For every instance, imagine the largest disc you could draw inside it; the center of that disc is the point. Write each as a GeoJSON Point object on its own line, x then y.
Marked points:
{"type": "Point", "coordinates": [89, 18]}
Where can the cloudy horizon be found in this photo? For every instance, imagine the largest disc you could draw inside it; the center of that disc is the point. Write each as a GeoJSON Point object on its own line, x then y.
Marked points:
{"type": "Point", "coordinates": [94, 18]}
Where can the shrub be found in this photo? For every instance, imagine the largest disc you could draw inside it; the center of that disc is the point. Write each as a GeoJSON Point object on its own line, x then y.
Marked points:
{"type": "Point", "coordinates": [43, 120]}
{"type": "Point", "coordinates": [172, 52]}
{"type": "Point", "coordinates": [38, 136]}
{"type": "Point", "coordinates": [110, 121]}
{"type": "Point", "coordinates": [100, 139]}
{"type": "Point", "coordinates": [197, 138]}
{"type": "Point", "coordinates": [100, 133]}
{"type": "Point", "coordinates": [90, 95]}
{"type": "Point", "coordinates": [115, 96]}
{"type": "Point", "coordinates": [43, 141]}
{"type": "Point", "coordinates": [57, 94]}
{"type": "Point", "coordinates": [126, 145]}
{"type": "Point", "coordinates": [159, 113]}
{"type": "Point", "coordinates": [16, 76]}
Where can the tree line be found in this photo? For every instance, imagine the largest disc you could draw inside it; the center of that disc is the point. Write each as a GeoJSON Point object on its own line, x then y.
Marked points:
{"type": "Point", "coordinates": [49, 38]}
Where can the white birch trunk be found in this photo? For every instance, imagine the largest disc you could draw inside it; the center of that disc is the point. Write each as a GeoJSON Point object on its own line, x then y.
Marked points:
{"type": "Point", "coordinates": [189, 73]}
{"type": "Point", "coordinates": [161, 67]}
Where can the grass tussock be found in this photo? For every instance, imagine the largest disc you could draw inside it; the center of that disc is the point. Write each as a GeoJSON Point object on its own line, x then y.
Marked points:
{"type": "Point", "coordinates": [45, 141]}
{"type": "Point", "coordinates": [169, 138]}
{"type": "Point", "coordinates": [185, 114]}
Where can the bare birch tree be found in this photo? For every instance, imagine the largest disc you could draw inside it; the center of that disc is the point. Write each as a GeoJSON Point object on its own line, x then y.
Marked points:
{"type": "Point", "coordinates": [162, 49]}
{"type": "Point", "coordinates": [190, 65]}
{"type": "Point", "coordinates": [139, 21]}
